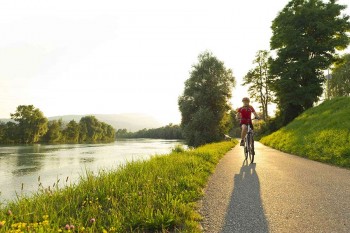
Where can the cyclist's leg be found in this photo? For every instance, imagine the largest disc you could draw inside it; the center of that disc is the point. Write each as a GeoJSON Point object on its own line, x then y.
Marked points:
{"type": "Point", "coordinates": [243, 133]}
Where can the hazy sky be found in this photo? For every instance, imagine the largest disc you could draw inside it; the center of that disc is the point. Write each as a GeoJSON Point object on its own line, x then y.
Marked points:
{"type": "Point", "coordinates": [83, 57]}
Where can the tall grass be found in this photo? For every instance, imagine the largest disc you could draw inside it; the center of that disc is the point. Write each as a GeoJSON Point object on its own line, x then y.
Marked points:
{"type": "Point", "coordinates": [157, 195]}
{"type": "Point", "coordinates": [321, 133]}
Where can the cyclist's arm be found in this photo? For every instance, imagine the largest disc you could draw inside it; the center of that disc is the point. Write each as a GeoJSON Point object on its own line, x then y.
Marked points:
{"type": "Point", "coordinates": [256, 115]}
{"type": "Point", "coordinates": [238, 116]}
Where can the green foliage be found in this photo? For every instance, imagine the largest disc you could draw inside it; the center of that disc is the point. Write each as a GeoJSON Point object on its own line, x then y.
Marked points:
{"type": "Point", "coordinates": [178, 149]}
{"type": "Point", "coordinates": [32, 124]}
{"type": "Point", "coordinates": [306, 34]}
{"type": "Point", "coordinates": [54, 132]}
{"type": "Point", "coordinates": [71, 132]}
{"type": "Point", "coordinates": [204, 104]}
{"type": "Point", "coordinates": [158, 195]}
{"type": "Point", "coordinates": [235, 128]}
{"type": "Point", "coordinates": [321, 133]}
{"type": "Point", "coordinates": [2, 131]}
{"type": "Point", "coordinates": [339, 84]}
{"type": "Point", "coordinates": [8, 132]}
{"type": "Point", "coordinates": [259, 81]}
{"type": "Point", "coordinates": [167, 132]}
{"type": "Point", "coordinates": [92, 130]}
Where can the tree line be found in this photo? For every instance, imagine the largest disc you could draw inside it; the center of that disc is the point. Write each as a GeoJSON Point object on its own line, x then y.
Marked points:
{"type": "Point", "coordinates": [307, 36]}
{"type": "Point", "coordinates": [167, 132]}
{"type": "Point", "coordinates": [29, 125]}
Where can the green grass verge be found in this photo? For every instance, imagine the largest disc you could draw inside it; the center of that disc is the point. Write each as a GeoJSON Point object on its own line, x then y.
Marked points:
{"type": "Point", "coordinates": [321, 133]}
{"type": "Point", "coordinates": [157, 195]}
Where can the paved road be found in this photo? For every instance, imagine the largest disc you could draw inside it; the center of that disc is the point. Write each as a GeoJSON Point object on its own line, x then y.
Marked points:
{"type": "Point", "coordinates": [279, 193]}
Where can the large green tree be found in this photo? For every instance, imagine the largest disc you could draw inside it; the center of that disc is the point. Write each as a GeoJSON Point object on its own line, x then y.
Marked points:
{"type": "Point", "coordinates": [32, 124]}
{"type": "Point", "coordinates": [306, 37]}
{"type": "Point", "coordinates": [204, 104]}
{"type": "Point", "coordinates": [259, 81]}
{"type": "Point", "coordinates": [90, 129]}
{"type": "Point", "coordinates": [339, 84]}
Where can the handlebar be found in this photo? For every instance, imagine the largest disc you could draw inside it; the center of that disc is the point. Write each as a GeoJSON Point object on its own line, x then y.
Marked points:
{"type": "Point", "coordinates": [250, 119]}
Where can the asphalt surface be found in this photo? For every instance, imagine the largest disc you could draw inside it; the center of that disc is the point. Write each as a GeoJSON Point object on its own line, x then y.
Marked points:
{"type": "Point", "coordinates": [278, 193]}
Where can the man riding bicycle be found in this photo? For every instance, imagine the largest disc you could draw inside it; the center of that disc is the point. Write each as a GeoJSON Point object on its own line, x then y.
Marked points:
{"type": "Point", "coordinates": [244, 114]}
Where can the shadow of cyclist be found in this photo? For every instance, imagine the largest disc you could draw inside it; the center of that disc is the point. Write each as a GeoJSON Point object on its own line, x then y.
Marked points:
{"type": "Point", "coordinates": [245, 212]}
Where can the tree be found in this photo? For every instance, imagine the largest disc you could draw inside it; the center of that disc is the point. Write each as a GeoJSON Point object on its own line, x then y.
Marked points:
{"type": "Point", "coordinates": [2, 132]}
{"type": "Point", "coordinates": [123, 133]}
{"type": "Point", "coordinates": [11, 133]}
{"type": "Point", "coordinates": [108, 132]}
{"type": "Point", "coordinates": [204, 104]}
{"type": "Point", "coordinates": [54, 132]}
{"type": "Point", "coordinates": [339, 84]}
{"type": "Point", "coordinates": [32, 124]}
{"type": "Point", "coordinates": [259, 81]}
{"type": "Point", "coordinates": [91, 127]}
{"type": "Point", "coordinates": [306, 36]}
{"type": "Point", "coordinates": [92, 130]}
{"type": "Point", "coordinates": [71, 132]}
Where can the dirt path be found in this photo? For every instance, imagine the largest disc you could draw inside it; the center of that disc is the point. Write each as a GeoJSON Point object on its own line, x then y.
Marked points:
{"type": "Point", "coordinates": [279, 193]}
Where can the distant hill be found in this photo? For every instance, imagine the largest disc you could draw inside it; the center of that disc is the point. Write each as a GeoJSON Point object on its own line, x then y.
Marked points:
{"type": "Point", "coordinates": [130, 121]}
{"type": "Point", "coordinates": [321, 133]}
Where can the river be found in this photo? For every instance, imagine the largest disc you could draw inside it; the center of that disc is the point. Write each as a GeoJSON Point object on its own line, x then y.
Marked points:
{"type": "Point", "coordinates": [21, 166]}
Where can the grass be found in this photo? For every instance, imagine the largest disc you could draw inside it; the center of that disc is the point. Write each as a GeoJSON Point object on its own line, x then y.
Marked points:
{"type": "Point", "coordinates": [157, 195]}
{"type": "Point", "coordinates": [321, 133]}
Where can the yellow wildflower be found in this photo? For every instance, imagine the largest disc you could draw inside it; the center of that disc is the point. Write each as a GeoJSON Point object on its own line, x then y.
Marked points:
{"type": "Point", "coordinates": [2, 223]}
{"type": "Point", "coordinates": [45, 223]}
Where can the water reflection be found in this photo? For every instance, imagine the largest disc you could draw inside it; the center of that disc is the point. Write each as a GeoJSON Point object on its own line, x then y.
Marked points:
{"type": "Point", "coordinates": [87, 160]}
{"type": "Point", "coordinates": [24, 164]}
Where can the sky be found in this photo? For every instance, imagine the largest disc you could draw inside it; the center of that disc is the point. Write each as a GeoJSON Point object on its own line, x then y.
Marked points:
{"type": "Point", "coordinates": [109, 57]}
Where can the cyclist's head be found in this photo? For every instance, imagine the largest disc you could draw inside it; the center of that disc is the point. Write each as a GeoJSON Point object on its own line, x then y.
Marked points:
{"type": "Point", "coordinates": [245, 100]}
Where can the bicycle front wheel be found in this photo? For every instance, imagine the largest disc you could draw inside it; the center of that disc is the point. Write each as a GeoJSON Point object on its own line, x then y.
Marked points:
{"type": "Point", "coordinates": [249, 154]}
{"type": "Point", "coordinates": [246, 149]}
{"type": "Point", "coordinates": [252, 151]}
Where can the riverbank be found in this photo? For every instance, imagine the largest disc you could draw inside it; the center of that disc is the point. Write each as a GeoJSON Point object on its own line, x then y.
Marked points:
{"type": "Point", "coordinates": [155, 195]}
{"type": "Point", "coordinates": [21, 166]}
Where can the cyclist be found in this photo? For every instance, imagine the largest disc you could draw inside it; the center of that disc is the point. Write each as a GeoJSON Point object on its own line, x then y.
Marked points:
{"type": "Point", "coordinates": [244, 115]}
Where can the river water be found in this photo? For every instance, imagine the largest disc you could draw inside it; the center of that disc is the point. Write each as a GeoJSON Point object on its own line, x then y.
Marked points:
{"type": "Point", "coordinates": [21, 166]}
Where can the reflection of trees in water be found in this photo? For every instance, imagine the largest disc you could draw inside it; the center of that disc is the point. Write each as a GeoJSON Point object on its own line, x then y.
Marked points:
{"type": "Point", "coordinates": [87, 160]}
{"type": "Point", "coordinates": [29, 160]}
{"type": "Point", "coordinates": [245, 212]}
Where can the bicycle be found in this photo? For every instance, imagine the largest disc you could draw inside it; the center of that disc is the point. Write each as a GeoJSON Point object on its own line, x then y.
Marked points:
{"type": "Point", "coordinates": [249, 145]}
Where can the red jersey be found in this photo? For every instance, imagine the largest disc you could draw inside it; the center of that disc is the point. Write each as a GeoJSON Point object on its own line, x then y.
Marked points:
{"type": "Point", "coordinates": [246, 114]}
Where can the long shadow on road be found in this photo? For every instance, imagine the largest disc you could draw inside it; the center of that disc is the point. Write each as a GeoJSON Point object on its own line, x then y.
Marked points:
{"type": "Point", "coordinates": [245, 212]}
